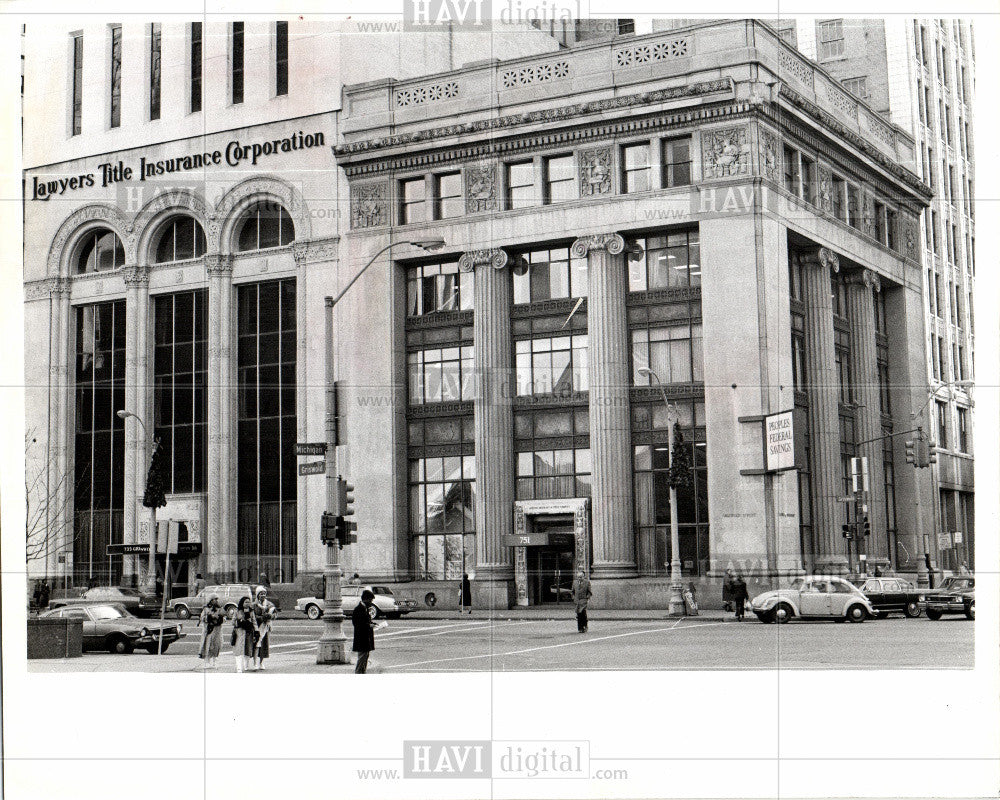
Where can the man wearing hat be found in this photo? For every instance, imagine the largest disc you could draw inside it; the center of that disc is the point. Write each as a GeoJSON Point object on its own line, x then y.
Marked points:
{"type": "Point", "coordinates": [265, 611]}
{"type": "Point", "coordinates": [364, 634]}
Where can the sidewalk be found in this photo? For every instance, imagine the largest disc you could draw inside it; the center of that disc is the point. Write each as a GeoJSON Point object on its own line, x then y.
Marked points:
{"type": "Point", "coordinates": [558, 613]}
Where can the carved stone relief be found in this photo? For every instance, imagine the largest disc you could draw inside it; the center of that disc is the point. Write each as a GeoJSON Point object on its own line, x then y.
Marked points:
{"type": "Point", "coordinates": [725, 152]}
{"type": "Point", "coordinates": [481, 191]}
{"type": "Point", "coordinates": [369, 205]}
{"type": "Point", "coordinates": [595, 171]}
{"type": "Point", "coordinates": [826, 189]}
{"type": "Point", "coordinates": [770, 166]}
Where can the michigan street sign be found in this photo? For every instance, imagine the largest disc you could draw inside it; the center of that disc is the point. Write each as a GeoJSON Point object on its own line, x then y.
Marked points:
{"type": "Point", "coordinates": [310, 449]}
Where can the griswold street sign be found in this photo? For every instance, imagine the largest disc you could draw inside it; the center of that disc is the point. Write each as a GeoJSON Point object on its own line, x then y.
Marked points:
{"type": "Point", "coordinates": [313, 468]}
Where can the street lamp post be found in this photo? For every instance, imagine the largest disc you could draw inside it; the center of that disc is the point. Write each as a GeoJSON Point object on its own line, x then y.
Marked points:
{"type": "Point", "coordinates": [150, 584]}
{"type": "Point", "coordinates": [676, 603]}
{"type": "Point", "coordinates": [924, 569]}
{"type": "Point", "coordinates": [332, 645]}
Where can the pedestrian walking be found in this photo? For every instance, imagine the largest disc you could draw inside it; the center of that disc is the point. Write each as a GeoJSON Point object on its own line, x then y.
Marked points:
{"type": "Point", "coordinates": [727, 591]}
{"type": "Point", "coordinates": [244, 634]}
{"type": "Point", "coordinates": [199, 583]}
{"type": "Point", "coordinates": [43, 596]}
{"type": "Point", "coordinates": [581, 596]}
{"type": "Point", "coordinates": [465, 595]}
{"type": "Point", "coordinates": [211, 621]}
{"type": "Point", "coordinates": [264, 579]}
{"type": "Point", "coordinates": [740, 596]}
{"type": "Point", "coordinates": [355, 580]}
{"type": "Point", "coordinates": [364, 631]}
{"type": "Point", "coordinates": [265, 611]}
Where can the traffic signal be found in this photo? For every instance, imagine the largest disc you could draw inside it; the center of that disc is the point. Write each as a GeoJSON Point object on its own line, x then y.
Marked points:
{"type": "Point", "coordinates": [866, 527]}
{"type": "Point", "coordinates": [345, 498]}
{"type": "Point", "coordinates": [345, 532]}
{"type": "Point", "coordinates": [846, 529]}
{"type": "Point", "coordinates": [911, 456]}
{"type": "Point", "coordinates": [328, 528]}
{"type": "Point", "coordinates": [922, 454]}
{"type": "Point", "coordinates": [932, 452]}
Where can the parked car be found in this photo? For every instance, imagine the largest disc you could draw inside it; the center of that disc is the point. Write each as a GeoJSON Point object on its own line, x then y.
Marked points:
{"type": "Point", "coordinates": [891, 594]}
{"type": "Point", "coordinates": [142, 604]}
{"type": "Point", "coordinates": [814, 596]}
{"type": "Point", "coordinates": [955, 595]}
{"type": "Point", "coordinates": [108, 626]}
{"type": "Point", "coordinates": [229, 595]}
{"type": "Point", "coordinates": [385, 604]}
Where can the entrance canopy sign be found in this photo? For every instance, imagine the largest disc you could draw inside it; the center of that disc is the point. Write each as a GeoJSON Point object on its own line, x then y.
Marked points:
{"type": "Point", "coordinates": [539, 540]}
{"type": "Point", "coordinates": [779, 441]}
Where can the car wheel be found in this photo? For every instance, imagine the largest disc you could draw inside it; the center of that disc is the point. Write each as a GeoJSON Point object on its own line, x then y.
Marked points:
{"type": "Point", "coordinates": [782, 613]}
{"type": "Point", "coordinates": [230, 612]}
{"type": "Point", "coordinates": [933, 613]}
{"type": "Point", "coordinates": [970, 610]}
{"type": "Point", "coordinates": [373, 611]}
{"type": "Point", "coordinates": [151, 648]}
{"type": "Point", "coordinates": [183, 612]}
{"type": "Point", "coordinates": [912, 609]}
{"type": "Point", "coordinates": [313, 611]}
{"type": "Point", "coordinates": [857, 613]}
{"type": "Point", "coordinates": [119, 645]}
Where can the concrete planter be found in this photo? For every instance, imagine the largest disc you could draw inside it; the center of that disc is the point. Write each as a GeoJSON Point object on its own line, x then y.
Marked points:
{"type": "Point", "coordinates": [55, 638]}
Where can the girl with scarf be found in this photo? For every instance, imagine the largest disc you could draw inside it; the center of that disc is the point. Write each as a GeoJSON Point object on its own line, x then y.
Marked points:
{"type": "Point", "coordinates": [265, 612]}
{"type": "Point", "coordinates": [211, 639]}
{"type": "Point", "coordinates": [244, 634]}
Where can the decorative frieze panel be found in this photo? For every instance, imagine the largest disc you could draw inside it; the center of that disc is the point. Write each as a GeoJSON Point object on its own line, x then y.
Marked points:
{"type": "Point", "coordinates": [481, 190]}
{"type": "Point", "coordinates": [370, 204]}
{"type": "Point", "coordinates": [45, 288]}
{"type": "Point", "coordinates": [596, 167]}
{"type": "Point", "coordinates": [826, 189]}
{"type": "Point", "coordinates": [789, 65]}
{"type": "Point", "coordinates": [868, 215]}
{"type": "Point", "coordinates": [430, 93]}
{"type": "Point", "coordinates": [534, 73]}
{"type": "Point", "coordinates": [770, 158]}
{"type": "Point", "coordinates": [641, 54]}
{"type": "Point", "coordinates": [910, 236]}
{"type": "Point", "coordinates": [879, 130]}
{"type": "Point", "coordinates": [725, 152]}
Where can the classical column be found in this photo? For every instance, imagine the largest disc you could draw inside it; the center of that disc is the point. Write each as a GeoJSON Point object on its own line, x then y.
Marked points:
{"type": "Point", "coordinates": [220, 538]}
{"type": "Point", "coordinates": [610, 431]}
{"type": "Point", "coordinates": [136, 294]}
{"type": "Point", "coordinates": [494, 414]}
{"type": "Point", "coordinates": [861, 287]}
{"type": "Point", "coordinates": [823, 389]}
{"type": "Point", "coordinates": [62, 476]}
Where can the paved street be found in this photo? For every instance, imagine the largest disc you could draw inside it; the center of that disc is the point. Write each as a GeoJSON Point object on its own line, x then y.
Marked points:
{"type": "Point", "coordinates": [645, 640]}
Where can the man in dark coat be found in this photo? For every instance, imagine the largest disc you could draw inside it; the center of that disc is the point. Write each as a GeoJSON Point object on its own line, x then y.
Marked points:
{"type": "Point", "coordinates": [727, 591]}
{"type": "Point", "coordinates": [364, 635]}
{"type": "Point", "coordinates": [740, 596]}
{"type": "Point", "coordinates": [581, 597]}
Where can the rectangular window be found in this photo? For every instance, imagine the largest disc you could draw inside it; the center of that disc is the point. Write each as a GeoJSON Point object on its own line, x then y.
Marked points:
{"type": "Point", "coordinates": [792, 183]}
{"type": "Point", "coordinates": [960, 362]}
{"type": "Point", "coordinates": [77, 125]}
{"type": "Point", "coordinates": [857, 86]}
{"type": "Point", "coordinates": [437, 287]}
{"type": "Point", "coordinates": [934, 233]}
{"type": "Point", "coordinates": [549, 274]}
{"type": "Point", "coordinates": [921, 110]}
{"type": "Point", "coordinates": [448, 195]}
{"type": "Point", "coordinates": [963, 430]}
{"type": "Point", "coordinates": [880, 222]}
{"type": "Point", "coordinates": [560, 179]}
{"type": "Point", "coordinates": [116, 75]}
{"type": "Point", "coordinates": [942, 425]}
{"type": "Point", "coordinates": [891, 221]}
{"type": "Point", "coordinates": [442, 501]}
{"type": "Point", "coordinates": [521, 185]}
{"type": "Point", "coordinates": [789, 35]}
{"type": "Point", "coordinates": [636, 167]}
{"type": "Point", "coordinates": [673, 352]}
{"type": "Point", "coordinates": [947, 124]}
{"type": "Point", "coordinates": [798, 352]}
{"type": "Point", "coordinates": [280, 58]}
{"type": "Point", "coordinates": [442, 375]}
{"type": "Point", "coordinates": [236, 65]}
{"type": "Point", "coordinates": [831, 39]}
{"type": "Point", "coordinates": [548, 474]}
{"type": "Point", "coordinates": [155, 48]}
{"type": "Point", "coordinates": [939, 294]}
{"type": "Point", "coordinates": [413, 201]}
{"type": "Point", "coordinates": [677, 162]}
{"type": "Point", "coordinates": [556, 366]}
{"type": "Point", "coordinates": [671, 260]}
{"type": "Point", "coordinates": [195, 87]}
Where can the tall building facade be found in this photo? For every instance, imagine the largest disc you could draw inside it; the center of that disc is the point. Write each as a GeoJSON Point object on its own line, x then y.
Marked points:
{"type": "Point", "coordinates": [920, 74]}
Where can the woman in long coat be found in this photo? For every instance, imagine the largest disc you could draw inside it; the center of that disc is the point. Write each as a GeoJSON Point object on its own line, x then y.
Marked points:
{"type": "Point", "coordinates": [211, 623]}
{"type": "Point", "coordinates": [264, 610]}
{"type": "Point", "coordinates": [465, 594]}
{"type": "Point", "coordinates": [244, 634]}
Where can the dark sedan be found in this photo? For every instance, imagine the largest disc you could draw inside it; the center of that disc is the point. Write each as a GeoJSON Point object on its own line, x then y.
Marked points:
{"type": "Point", "coordinates": [110, 627]}
{"type": "Point", "coordinates": [889, 595]}
{"type": "Point", "coordinates": [132, 600]}
{"type": "Point", "coordinates": [955, 595]}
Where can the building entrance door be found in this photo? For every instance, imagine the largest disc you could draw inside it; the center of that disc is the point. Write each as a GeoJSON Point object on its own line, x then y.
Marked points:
{"type": "Point", "coordinates": [550, 574]}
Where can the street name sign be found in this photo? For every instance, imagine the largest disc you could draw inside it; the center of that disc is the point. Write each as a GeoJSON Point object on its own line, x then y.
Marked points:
{"type": "Point", "coordinates": [313, 468]}
{"type": "Point", "coordinates": [310, 448]}
{"type": "Point", "coordinates": [128, 549]}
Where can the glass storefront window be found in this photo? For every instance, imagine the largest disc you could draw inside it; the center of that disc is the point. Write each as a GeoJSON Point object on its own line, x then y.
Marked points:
{"type": "Point", "coordinates": [549, 274]}
{"type": "Point", "coordinates": [556, 366]}
{"type": "Point", "coordinates": [671, 260]}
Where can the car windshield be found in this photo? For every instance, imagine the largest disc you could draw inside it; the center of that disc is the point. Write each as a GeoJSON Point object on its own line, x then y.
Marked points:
{"type": "Point", "coordinates": [797, 583]}
{"type": "Point", "coordinates": [955, 582]}
{"type": "Point", "coordinates": [106, 612]}
{"type": "Point", "coordinates": [382, 590]}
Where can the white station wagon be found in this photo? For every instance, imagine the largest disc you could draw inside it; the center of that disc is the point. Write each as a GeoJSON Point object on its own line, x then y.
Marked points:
{"type": "Point", "coordinates": [825, 596]}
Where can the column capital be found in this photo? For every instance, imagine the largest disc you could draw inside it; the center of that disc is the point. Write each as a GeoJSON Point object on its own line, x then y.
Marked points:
{"type": "Point", "coordinates": [136, 275]}
{"type": "Point", "coordinates": [820, 257]}
{"type": "Point", "coordinates": [219, 264]}
{"type": "Point", "coordinates": [864, 277]}
{"type": "Point", "coordinates": [496, 257]}
{"type": "Point", "coordinates": [612, 242]}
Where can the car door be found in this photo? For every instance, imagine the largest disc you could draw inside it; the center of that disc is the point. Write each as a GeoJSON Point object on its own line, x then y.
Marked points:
{"type": "Point", "coordinates": [873, 590]}
{"type": "Point", "coordinates": [895, 598]}
{"type": "Point", "coordinates": [842, 594]}
{"type": "Point", "coordinates": [814, 598]}
{"type": "Point", "coordinates": [91, 639]}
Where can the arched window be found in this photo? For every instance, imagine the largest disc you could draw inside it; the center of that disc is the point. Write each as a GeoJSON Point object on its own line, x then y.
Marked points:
{"type": "Point", "coordinates": [265, 224]}
{"type": "Point", "coordinates": [100, 249]}
{"type": "Point", "coordinates": [181, 238]}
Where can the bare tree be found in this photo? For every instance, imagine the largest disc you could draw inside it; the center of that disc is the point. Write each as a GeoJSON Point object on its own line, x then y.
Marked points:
{"type": "Point", "coordinates": [49, 528]}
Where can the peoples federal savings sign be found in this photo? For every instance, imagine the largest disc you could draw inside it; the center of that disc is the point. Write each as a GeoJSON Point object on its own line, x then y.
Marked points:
{"type": "Point", "coordinates": [779, 441]}
{"type": "Point", "coordinates": [233, 154]}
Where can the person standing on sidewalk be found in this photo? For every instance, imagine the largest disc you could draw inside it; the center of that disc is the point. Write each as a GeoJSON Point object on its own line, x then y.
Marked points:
{"type": "Point", "coordinates": [265, 612]}
{"type": "Point", "coordinates": [364, 631]}
{"type": "Point", "coordinates": [465, 595]}
{"type": "Point", "coordinates": [740, 596]}
{"type": "Point", "coordinates": [211, 622]}
{"type": "Point", "coordinates": [581, 596]}
{"type": "Point", "coordinates": [244, 634]}
{"type": "Point", "coordinates": [727, 591]}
